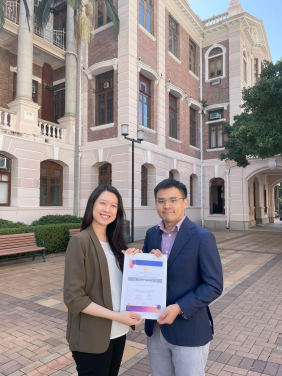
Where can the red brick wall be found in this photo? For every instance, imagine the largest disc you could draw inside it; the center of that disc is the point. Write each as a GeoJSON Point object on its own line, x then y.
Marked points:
{"type": "Point", "coordinates": [6, 78]}
{"type": "Point", "coordinates": [215, 95]}
{"type": "Point", "coordinates": [179, 76]}
{"type": "Point", "coordinates": [102, 134]}
{"type": "Point", "coordinates": [59, 74]}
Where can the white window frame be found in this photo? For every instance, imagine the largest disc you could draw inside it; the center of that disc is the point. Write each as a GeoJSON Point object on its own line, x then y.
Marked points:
{"type": "Point", "coordinates": [207, 79]}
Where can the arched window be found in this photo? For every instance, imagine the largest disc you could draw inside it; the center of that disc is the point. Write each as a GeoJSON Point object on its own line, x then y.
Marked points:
{"type": "Point", "coordinates": [5, 181]}
{"type": "Point", "coordinates": [51, 184]}
{"type": "Point", "coordinates": [216, 63]}
{"type": "Point", "coordinates": [105, 174]}
{"type": "Point", "coordinates": [144, 185]}
{"type": "Point", "coordinates": [171, 176]}
{"type": "Point", "coordinates": [217, 199]}
{"type": "Point", "coordinates": [245, 62]}
{"type": "Point", "coordinates": [144, 102]}
{"type": "Point", "coordinates": [191, 191]}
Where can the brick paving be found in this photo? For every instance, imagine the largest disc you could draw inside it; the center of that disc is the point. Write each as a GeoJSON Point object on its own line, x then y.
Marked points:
{"type": "Point", "coordinates": [248, 316]}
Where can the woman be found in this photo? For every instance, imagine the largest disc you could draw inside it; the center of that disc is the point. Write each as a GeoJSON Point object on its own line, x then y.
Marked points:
{"type": "Point", "coordinates": [96, 330]}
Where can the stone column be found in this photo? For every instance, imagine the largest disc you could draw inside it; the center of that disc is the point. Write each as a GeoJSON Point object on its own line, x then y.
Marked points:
{"type": "Point", "coordinates": [25, 53]}
{"type": "Point", "coordinates": [70, 72]}
{"type": "Point", "coordinates": [23, 105]}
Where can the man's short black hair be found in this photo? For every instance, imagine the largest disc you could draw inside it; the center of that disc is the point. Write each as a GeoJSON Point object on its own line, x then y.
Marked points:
{"type": "Point", "coordinates": [170, 183]}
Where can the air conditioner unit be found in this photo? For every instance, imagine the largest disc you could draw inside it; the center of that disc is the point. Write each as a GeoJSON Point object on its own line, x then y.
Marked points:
{"type": "Point", "coordinates": [106, 85]}
{"type": "Point", "coordinates": [216, 81]}
{"type": "Point", "coordinates": [3, 162]}
{"type": "Point", "coordinates": [215, 116]}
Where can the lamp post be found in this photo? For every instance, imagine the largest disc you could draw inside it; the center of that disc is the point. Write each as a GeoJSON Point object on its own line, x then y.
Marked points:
{"type": "Point", "coordinates": [140, 138]}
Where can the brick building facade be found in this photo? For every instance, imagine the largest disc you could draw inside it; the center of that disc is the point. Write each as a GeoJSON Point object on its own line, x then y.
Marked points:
{"type": "Point", "coordinates": [168, 73]}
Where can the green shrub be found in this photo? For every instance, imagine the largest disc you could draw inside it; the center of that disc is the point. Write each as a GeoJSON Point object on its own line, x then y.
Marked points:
{"type": "Point", "coordinates": [9, 224]}
{"type": "Point", "coordinates": [55, 236]}
{"type": "Point", "coordinates": [56, 219]}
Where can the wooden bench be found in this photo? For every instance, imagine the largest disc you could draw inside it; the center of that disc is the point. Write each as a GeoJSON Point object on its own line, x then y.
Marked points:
{"type": "Point", "coordinates": [20, 243]}
{"type": "Point", "coordinates": [73, 232]}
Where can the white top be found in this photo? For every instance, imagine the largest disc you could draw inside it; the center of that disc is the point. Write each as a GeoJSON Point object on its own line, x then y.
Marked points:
{"type": "Point", "coordinates": [118, 329]}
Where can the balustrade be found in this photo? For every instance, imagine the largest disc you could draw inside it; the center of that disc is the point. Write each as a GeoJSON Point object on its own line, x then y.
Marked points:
{"type": "Point", "coordinates": [6, 117]}
{"type": "Point", "coordinates": [215, 19]}
{"type": "Point", "coordinates": [51, 130]}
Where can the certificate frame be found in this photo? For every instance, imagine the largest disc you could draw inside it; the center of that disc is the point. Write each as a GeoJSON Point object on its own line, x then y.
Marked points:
{"type": "Point", "coordinates": [144, 285]}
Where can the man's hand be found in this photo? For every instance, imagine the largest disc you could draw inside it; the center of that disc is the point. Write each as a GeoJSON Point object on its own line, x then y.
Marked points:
{"type": "Point", "coordinates": [157, 252]}
{"type": "Point", "coordinates": [169, 314]}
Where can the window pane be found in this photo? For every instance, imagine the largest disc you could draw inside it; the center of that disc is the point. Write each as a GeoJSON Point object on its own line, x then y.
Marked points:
{"type": "Point", "coordinates": [5, 178]}
{"type": "Point", "coordinates": [140, 109]}
{"type": "Point", "coordinates": [100, 13]}
{"type": "Point", "coordinates": [174, 45]}
{"type": "Point", "coordinates": [211, 68]}
{"type": "Point", "coordinates": [101, 113]}
{"type": "Point", "coordinates": [213, 136]}
{"type": "Point", "coordinates": [215, 51]}
{"type": "Point", "coordinates": [173, 126]}
{"type": "Point", "coordinates": [218, 67]}
{"type": "Point", "coordinates": [146, 112]}
{"type": "Point", "coordinates": [43, 194]}
{"type": "Point", "coordinates": [110, 110]}
{"type": "Point", "coordinates": [141, 12]}
{"type": "Point", "coordinates": [55, 193]}
{"type": "Point", "coordinates": [57, 172]}
{"type": "Point", "coordinates": [99, 83]}
{"type": "Point", "coordinates": [44, 181]}
{"type": "Point", "coordinates": [4, 189]}
{"type": "Point", "coordinates": [194, 64]}
{"type": "Point", "coordinates": [53, 181]}
{"type": "Point", "coordinates": [148, 19]}
{"type": "Point", "coordinates": [170, 41]}
{"type": "Point", "coordinates": [58, 181]}
{"type": "Point", "coordinates": [190, 60]}
{"type": "Point", "coordinates": [219, 135]}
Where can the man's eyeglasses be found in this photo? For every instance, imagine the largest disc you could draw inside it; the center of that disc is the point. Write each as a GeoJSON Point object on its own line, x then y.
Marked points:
{"type": "Point", "coordinates": [171, 200]}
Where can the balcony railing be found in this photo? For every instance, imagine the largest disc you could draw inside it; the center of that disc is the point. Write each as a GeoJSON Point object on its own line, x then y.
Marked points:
{"type": "Point", "coordinates": [6, 117]}
{"type": "Point", "coordinates": [215, 19]}
{"type": "Point", "coordinates": [55, 37]}
{"type": "Point", "coordinates": [52, 130]}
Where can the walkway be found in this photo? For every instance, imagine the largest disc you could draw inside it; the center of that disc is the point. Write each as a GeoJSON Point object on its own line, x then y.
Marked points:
{"type": "Point", "coordinates": [248, 316]}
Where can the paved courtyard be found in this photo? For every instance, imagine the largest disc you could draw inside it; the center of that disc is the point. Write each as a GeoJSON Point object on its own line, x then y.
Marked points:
{"type": "Point", "coordinates": [248, 316]}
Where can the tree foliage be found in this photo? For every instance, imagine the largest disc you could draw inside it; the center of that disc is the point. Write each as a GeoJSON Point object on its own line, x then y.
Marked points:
{"type": "Point", "coordinates": [257, 131]}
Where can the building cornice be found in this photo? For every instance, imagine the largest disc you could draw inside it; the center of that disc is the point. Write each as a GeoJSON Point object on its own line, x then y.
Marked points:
{"type": "Point", "coordinates": [176, 91]}
{"type": "Point", "coordinates": [189, 14]}
{"type": "Point", "coordinates": [148, 72]}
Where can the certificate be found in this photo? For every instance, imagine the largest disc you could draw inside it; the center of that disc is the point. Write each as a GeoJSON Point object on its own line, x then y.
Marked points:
{"type": "Point", "coordinates": [144, 285]}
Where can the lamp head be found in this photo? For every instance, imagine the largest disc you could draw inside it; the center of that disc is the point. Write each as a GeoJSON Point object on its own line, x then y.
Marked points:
{"type": "Point", "coordinates": [140, 135]}
{"type": "Point", "coordinates": [124, 130]}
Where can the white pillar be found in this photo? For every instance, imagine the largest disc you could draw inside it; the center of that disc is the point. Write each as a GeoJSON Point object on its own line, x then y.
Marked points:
{"type": "Point", "coordinates": [25, 53]}
{"type": "Point", "coordinates": [70, 72]}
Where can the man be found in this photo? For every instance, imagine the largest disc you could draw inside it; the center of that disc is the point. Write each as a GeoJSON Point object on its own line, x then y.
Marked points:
{"type": "Point", "coordinates": [178, 342]}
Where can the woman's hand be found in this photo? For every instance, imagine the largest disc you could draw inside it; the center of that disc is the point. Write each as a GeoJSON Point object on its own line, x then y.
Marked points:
{"type": "Point", "coordinates": [131, 251]}
{"type": "Point", "coordinates": [157, 252]}
{"type": "Point", "coordinates": [129, 318]}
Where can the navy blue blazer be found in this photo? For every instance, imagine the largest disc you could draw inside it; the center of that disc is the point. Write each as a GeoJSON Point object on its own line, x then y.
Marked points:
{"type": "Point", "coordinates": [194, 279]}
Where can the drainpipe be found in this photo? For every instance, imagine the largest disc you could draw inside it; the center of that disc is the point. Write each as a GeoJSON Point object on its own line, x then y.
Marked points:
{"type": "Point", "coordinates": [201, 134]}
{"type": "Point", "coordinates": [228, 199]}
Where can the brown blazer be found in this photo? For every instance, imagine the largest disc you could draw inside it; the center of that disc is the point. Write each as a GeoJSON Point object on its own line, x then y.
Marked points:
{"type": "Point", "coordinates": [87, 280]}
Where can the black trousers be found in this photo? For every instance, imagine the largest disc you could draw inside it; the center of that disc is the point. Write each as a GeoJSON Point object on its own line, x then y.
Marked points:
{"type": "Point", "coordinates": [105, 364]}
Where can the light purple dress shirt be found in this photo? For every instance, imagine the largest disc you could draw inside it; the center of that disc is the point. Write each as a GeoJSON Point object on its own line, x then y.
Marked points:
{"type": "Point", "coordinates": [169, 238]}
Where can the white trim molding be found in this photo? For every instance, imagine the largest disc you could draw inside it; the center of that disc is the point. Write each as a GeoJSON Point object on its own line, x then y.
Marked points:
{"type": "Point", "coordinates": [194, 147]}
{"type": "Point", "coordinates": [215, 121]}
{"type": "Point", "coordinates": [215, 149]}
{"type": "Point", "coordinates": [174, 57]}
{"type": "Point", "coordinates": [145, 31]}
{"type": "Point", "coordinates": [193, 74]}
{"type": "Point", "coordinates": [217, 106]}
{"type": "Point", "coordinates": [101, 67]}
{"type": "Point", "coordinates": [101, 28]}
{"type": "Point", "coordinates": [148, 72]}
{"type": "Point", "coordinates": [58, 82]}
{"type": "Point", "coordinates": [176, 91]}
{"type": "Point", "coordinates": [175, 140]}
{"type": "Point", "coordinates": [146, 129]}
{"type": "Point", "coordinates": [207, 79]}
{"type": "Point", "coordinates": [37, 79]}
{"type": "Point", "coordinates": [101, 127]}
{"type": "Point", "coordinates": [194, 104]}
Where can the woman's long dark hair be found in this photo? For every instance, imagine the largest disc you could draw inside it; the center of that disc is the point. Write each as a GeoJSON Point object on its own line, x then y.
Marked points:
{"type": "Point", "coordinates": [114, 230]}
